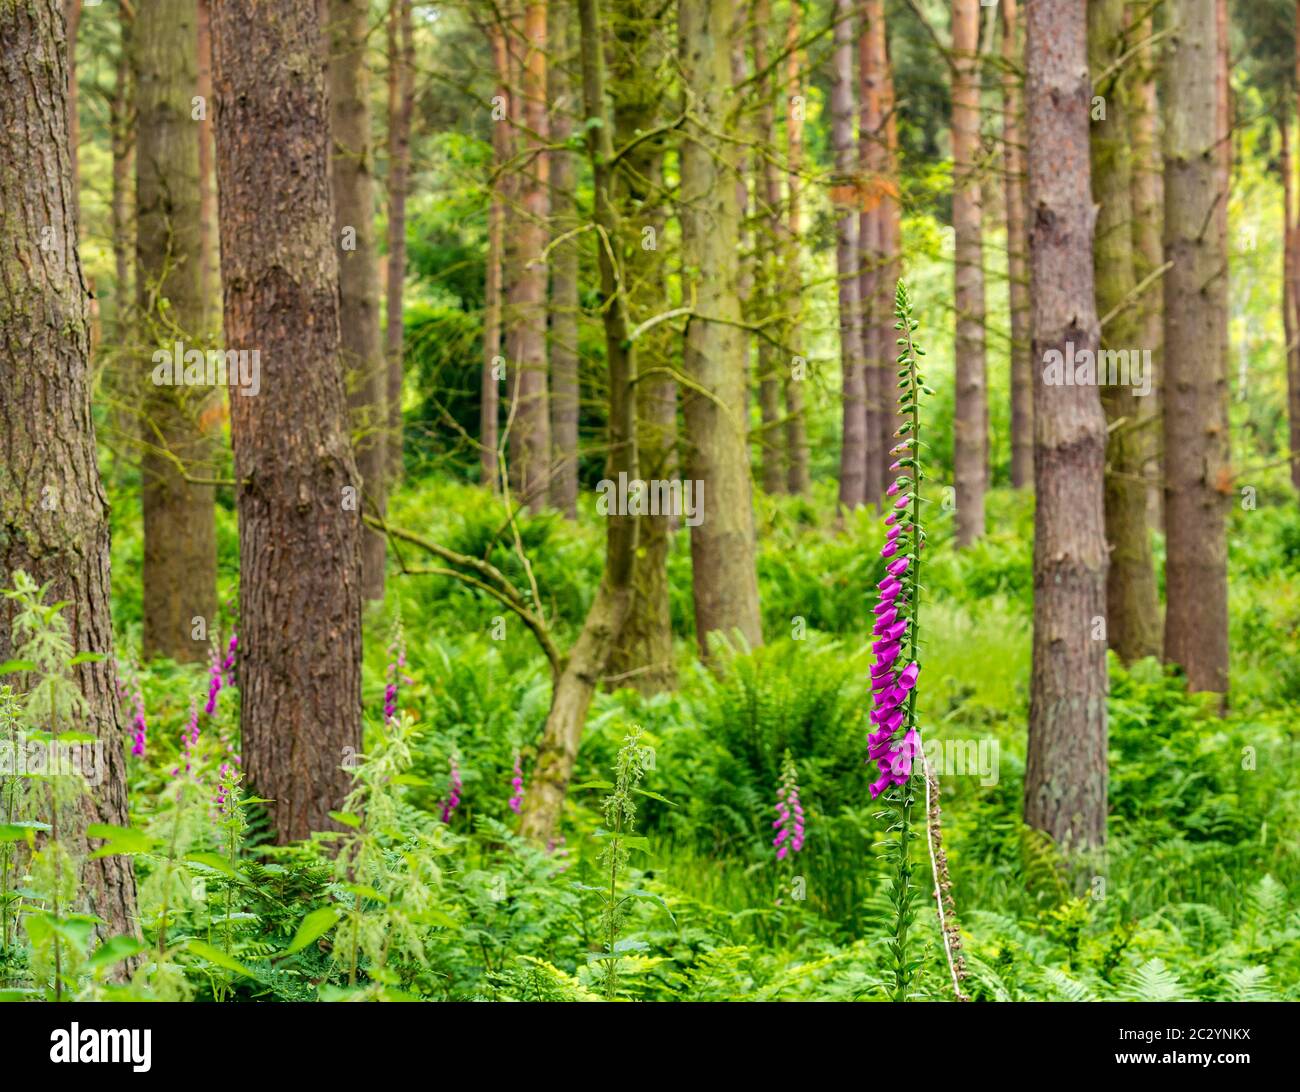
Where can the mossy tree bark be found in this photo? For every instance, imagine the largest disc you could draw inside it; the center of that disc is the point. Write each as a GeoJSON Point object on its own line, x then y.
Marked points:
{"type": "Point", "coordinates": [299, 520]}
{"type": "Point", "coordinates": [352, 181]}
{"type": "Point", "coordinates": [401, 103]}
{"type": "Point", "coordinates": [53, 513]}
{"type": "Point", "coordinates": [564, 305]}
{"type": "Point", "coordinates": [724, 580]}
{"type": "Point", "coordinates": [180, 550]}
{"type": "Point", "coordinates": [1065, 774]}
{"type": "Point", "coordinates": [643, 654]}
{"type": "Point", "coordinates": [1013, 166]}
{"type": "Point", "coordinates": [1132, 601]}
{"type": "Point", "coordinates": [853, 395]}
{"type": "Point", "coordinates": [970, 416]}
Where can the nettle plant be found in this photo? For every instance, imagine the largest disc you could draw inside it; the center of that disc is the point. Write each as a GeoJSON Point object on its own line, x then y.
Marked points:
{"type": "Point", "coordinates": [895, 742]}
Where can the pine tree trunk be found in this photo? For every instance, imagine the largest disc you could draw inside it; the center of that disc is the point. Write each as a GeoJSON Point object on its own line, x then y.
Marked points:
{"type": "Point", "coordinates": [72, 21]}
{"type": "Point", "coordinates": [563, 346]}
{"type": "Point", "coordinates": [1290, 301]}
{"type": "Point", "coordinates": [353, 186]}
{"type": "Point", "coordinates": [1065, 773]}
{"type": "Point", "coordinates": [299, 520]}
{"type": "Point", "coordinates": [1013, 165]}
{"type": "Point", "coordinates": [722, 545]}
{"type": "Point", "coordinates": [53, 513]}
{"type": "Point", "coordinates": [209, 271]}
{"type": "Point", "coordinates": [180, 546]}
{"type": "Point", "coordinates": [890, 269]}
{"type": "Point", "coordinates": [122, 129]}
{"type": "Point", "coordinates": [1148, 255]}
{"type": "Point", "coordinates": [970, 415]}
{"type": "Point", "coordinates": [642, 657]}
{"type": "Point", "coordinates": [877, 334]}
{"type": "Point", "coordinates": [772, 250]}
{"type": "Point", "coordinates": [530, 430]}
{"type": "Point", "coordinates": [493, 291]}
{"type": "Point", "coordinates": [1198, 474]}
{"type": "Point", "coordinates": [798, 477]}
{"type": "Point", "coordinates": [401, 101]}
{"type": "Point", "coordinates": [845, 194]}
{"type": "Point", "coordinates": [1132, 602]}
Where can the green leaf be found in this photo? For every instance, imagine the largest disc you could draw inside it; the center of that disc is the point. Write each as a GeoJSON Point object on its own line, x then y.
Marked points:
{"type": "Point", "coordinates": [314, 926]}
{"type": "Point", "coordinates": [13, 667]}
{"type": "Point", "coordinates": [218, 958]}
{"type": "Point", "coordinates": [594, 785]}
{"type": "Point", "coordinates": [213, 861]}
{"type": "Point", "coordinates": [114, 950]}
{"type": "Point", "coordinates": [346, 818]}
{"type": "Point", "coordinates": [87, 658]}
{"type": "Point", "coordinates": [120, 840]}
{"type": "Point", "coordinates": [18, 832]}
{"type": "Point", "coordinates": [654, 796]}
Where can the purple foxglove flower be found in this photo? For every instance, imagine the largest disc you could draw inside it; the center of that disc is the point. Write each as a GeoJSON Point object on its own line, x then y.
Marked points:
{"type": "Point", "coordinates": [899, 567]}
{"type": "Point", "coordinates": [907, 678]}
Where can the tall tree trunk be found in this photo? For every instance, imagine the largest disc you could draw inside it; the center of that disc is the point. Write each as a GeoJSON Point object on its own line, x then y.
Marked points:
{"type": "Point", "coordinates": [1132, 602]}
{"type": "Point", "coordinates": [53, 513]}
{"type": "Point", "coordinates": [1198, 473]}
{"type": "Point", "coordinates": [724, 580]}
{"type": "Point", "coordinates": [121, 122]}
{"type": "Point", "coordinates": [180, 544]}
{"type": "Point", "coordinates": [209, 271]}
{"type": "Point", "coordinates": [877, 328]}
{"type": "Point", "coordinates": [890, 241]}
{"type": "Point", "coordinates": [846, 196]}
{"type": "Point", "coordinates": [493, 292]}
{"type": "Point", "coordinates": [798, 476]}
{"type": "Point", "coordinates": [643, 654]}
{"type": "Point", "coordinates": [353, 186]}
{"type": "Point", "coordinates": [1013, 165]}
{"type": "Point", "coordinates": [600, 632]}
{"type": "Point", "coordinates": [1065, 774]}
{"type": "Point", "coordinates": [1290, 299]}
{"type": "Point", "coordinates": [299, 523]}
{"type": "Point", "coordinates": [970, 416]}
{"type": "Point", "coordinates": [1293, 288]}
{"type": "Point", "coordinates": [772, 247]}
{"type": "Point", "coordinates": [530, 435]}
{"type": "Point", "coordinates": [72, 18]}
{"type": "Point", "coordinates": [401, 102]}
{"type": "Point", "coordinates": [563, 348]}
{"type": "Point", "coordinates": [1148, 253]}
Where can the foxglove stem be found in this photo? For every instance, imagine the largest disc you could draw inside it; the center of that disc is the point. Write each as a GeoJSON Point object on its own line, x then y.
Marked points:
{"type": "Point", "coordinates": [894, 675]}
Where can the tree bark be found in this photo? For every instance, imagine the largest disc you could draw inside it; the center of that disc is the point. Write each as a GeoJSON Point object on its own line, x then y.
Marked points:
{"type": "Point", "coordinates": [1148, 255]}
{"type": "Point", "coordinates": [122, 129]}
{"type": "Point", "coordinates": [845, 194]}
{"type": "Point", "coordinates": [564, 308]}
{"type": "Point", "coordinates": [401, 103]}
{"type": "Point", "coordinates": [530, 431]}
{"type": "Point", "coordinates": [299, 523]}
{"type": "Point", "coordinates": [1132, 602]}
{"type": "Point", "coordinates": [724, 580]}
{"type": "Point", "coordinates": [72, 17]}
{"type": "Point", "coordinates": [180, 544]}
{"type": "Point", "coordinates": [581, 673]}
{"type": "Point", "coordinates": [970, 415]}
{"type": "Point", "coordinates": [877, 334]}
{"type": "Point", "coordinates": [1013, 165]}
{"type": "Point", "coordinates": [772, 248]}
{"type": "Point", "coordinates": [493, 294]}
{"type": "Point", "coordinates": [798, 477]}
{"type": "Point", "coordinates": [1198, 473]}
{"type": "Point", "coordinates": [209, 271]}
{"type": "Point", "coordinates": [352, 183]}
{"type": "Point", "coordinates": [1065, 774]}
{"type": "Point", "coordinates": [53, 512]}
{"type": "Point", "coordinates": [643, 654]}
